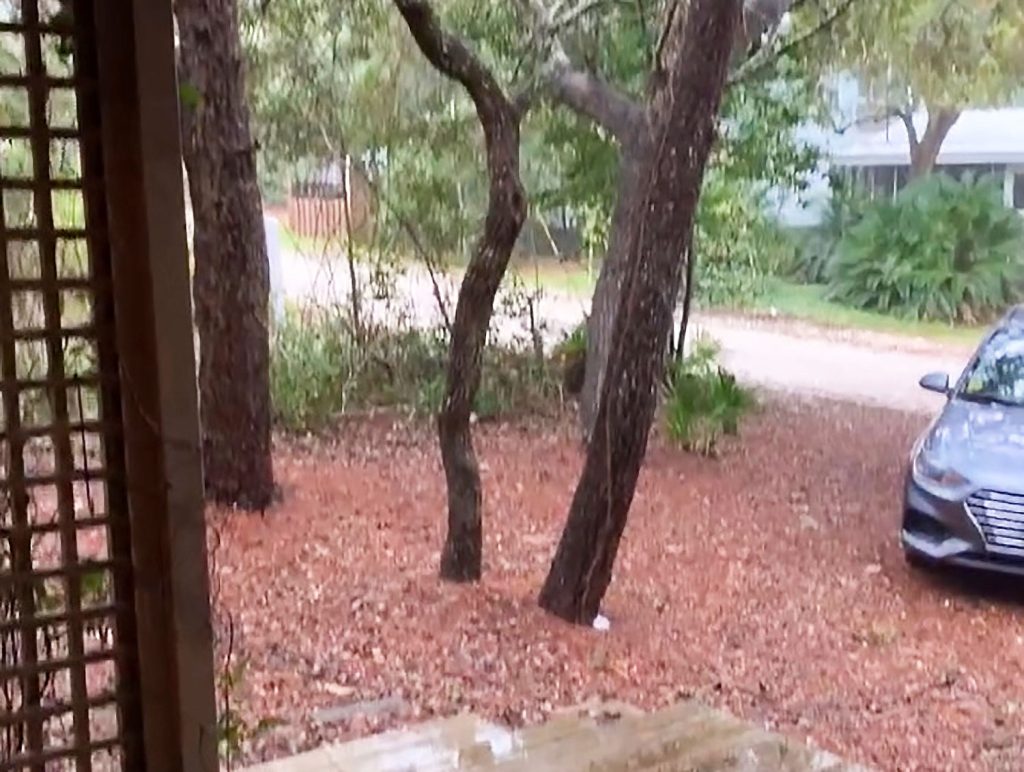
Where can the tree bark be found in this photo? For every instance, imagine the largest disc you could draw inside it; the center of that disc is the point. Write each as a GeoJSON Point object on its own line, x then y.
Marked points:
{"type": "Point", "coordinates": [684, 319]}
{"type": "Point", "coordinates": [462, 557]}
{"type": "Point", "coordinates": [924, 149]}
{"type": "Point", "coordinates": [682, 118]}
{"type": "Point", "coordinates": [588, 95]}
{"type": "Point", "coordinates": [231, 284]}
{"type": "Point", "coordinates": [607, 290]}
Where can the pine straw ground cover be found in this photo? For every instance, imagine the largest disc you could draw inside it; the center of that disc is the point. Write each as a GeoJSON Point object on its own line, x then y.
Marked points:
{"type": "Point", "coordinates": [769, 582]}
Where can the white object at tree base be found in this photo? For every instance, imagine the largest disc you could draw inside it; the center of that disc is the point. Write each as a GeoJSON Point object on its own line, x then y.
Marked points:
{"type": "Point", "coordinates": [602, 624]}
{"type": "Point", "coordinates": [273, 234]}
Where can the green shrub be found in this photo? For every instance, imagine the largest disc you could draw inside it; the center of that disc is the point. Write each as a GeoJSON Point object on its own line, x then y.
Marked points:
{"type": "Point", "coordinates": [311, 363]}
{"type": "Point", "coordinates": [571, 355]}
{"type": "Point", "coordinates": [942, 250]}
{"type": "Point", "coordinates": [736, 244]}
{"type": "Point", "coordinates": [816, 253]}
{"type": "Point", "coordinates": [319, 372]}
{"type": "Point", "coordinates": [703, 401]}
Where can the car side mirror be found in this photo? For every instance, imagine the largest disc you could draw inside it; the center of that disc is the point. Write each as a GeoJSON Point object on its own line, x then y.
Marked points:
{"type": "Point", "coordinates": [937, 382]}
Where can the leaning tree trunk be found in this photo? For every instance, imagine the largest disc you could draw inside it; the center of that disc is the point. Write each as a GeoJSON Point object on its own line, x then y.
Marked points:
{"type": "Point", "coordinates": [587, 95]}
{"type": "Point", "coordinates": [462, 557]}
{"type": "Point", "coordinates": [682, 121]}
{"type": "Point", "coordinates": [231, 285]}
{"type": "Point", "coordinates": [607, 291]}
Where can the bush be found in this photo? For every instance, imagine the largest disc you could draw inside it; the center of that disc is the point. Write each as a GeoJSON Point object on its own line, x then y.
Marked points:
{"type": "Point", "coordinates": [942, 250]}
{"type": "Point", "coordinates": [311, 362]}
{"type": "Point", "coordinates": [736, 244]}
{"type": "Point", "coordinates": [571, 356]}
{"type": "Point", "coordinates": [846, 207]}
{"type": "Point", "coordinates": [319, 372]}
{"type": "Point", "coordinates": [703, 401]}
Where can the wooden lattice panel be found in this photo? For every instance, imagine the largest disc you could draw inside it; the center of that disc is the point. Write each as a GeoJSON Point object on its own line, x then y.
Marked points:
{"type": "Point", "coordinates": [67, 654]}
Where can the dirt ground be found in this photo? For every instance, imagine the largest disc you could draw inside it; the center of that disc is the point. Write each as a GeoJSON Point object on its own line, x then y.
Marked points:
{"type": "Point", "coordinates": [769, 582]}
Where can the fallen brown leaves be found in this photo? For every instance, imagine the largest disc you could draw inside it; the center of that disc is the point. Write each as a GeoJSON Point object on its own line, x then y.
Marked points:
{"type": "Point", "coordinates": [769, 583]}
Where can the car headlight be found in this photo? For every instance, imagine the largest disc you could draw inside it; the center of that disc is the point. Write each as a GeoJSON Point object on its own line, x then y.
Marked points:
{"type": "Point", "coordinates": [929, 469]}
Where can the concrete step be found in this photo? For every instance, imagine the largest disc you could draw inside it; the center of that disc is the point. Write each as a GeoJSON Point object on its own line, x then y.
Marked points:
{"type": "Point", "coordinates": [600, 737]}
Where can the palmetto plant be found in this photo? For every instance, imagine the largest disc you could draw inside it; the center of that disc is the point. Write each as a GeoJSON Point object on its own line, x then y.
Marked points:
{"type": "Point", "coordinates": [942, 250]}
{"type": "Point", "coordinates": [703, 401]}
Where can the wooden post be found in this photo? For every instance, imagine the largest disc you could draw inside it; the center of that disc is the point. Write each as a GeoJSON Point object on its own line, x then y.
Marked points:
{"type": "Point", "coordinates": [146, 221]}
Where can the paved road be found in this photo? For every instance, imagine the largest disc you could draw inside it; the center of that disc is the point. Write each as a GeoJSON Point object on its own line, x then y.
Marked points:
{"type": "Point", "coordinates": [871, 369]}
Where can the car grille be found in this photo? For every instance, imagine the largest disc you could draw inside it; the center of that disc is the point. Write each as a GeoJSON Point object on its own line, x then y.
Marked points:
{"type": "Point", "coordinates": [1001, 518]}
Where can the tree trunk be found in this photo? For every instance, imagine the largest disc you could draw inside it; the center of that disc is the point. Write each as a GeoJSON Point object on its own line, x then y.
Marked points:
{"type": "Point", "coordinates": [607, 291]}
{"type": "Point", "coordinates": [684, 319]}
{"type": "Point", "coordinates": [462, 557]}
{"type": "Point", "coordinates": [682, 121]}
{"type": "Point", "coordinates": [231, 285]}
{"type": "Point", "coordinates": [924, 150]}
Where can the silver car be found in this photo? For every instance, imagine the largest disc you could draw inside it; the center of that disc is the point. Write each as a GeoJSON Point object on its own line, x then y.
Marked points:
{"type": "Point", "coordinates": [964, 496]}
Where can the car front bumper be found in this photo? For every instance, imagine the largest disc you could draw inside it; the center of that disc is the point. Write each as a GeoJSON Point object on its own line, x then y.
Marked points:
{"type": "Point", "coordinates": [938, 528]}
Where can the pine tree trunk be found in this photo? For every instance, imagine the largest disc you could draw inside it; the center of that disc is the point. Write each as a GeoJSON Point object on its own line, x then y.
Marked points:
{"type": "Point", "coordinates": [462, 556]}
{"type": "Point", "coordinates": [682, 120]}
{"type": "Point", "coordinates": [231, 285]}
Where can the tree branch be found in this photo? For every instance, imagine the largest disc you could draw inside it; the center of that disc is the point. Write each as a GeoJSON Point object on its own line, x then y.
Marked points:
{"type": "Point", "coordinates": [589, 95]}
{"type": "Point", "coordinates": [573, 15]}
{"type": "Point", "coordinates": [767, 56]}
{"type": "Point", "coordinates": [908, 120]}
{"type": "Point", "coordinates": [581, 91]}
{"type": "Point", "coordinates": [451, 57]}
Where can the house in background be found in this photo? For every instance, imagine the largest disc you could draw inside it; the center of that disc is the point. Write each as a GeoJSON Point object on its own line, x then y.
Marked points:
{"type": "Point", "coordinates": [877, 153]}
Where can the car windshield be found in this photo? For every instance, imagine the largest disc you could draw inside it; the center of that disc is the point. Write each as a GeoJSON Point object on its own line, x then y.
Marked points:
{"type": "Point", "coordinates": [998, 373]}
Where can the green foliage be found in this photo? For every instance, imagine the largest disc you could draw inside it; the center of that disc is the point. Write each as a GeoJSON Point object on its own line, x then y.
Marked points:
{"type": "Point", "coordinates": [846, 206]}
{"type": "Point", "coordinates": [738, 246]}
{"type": "Point", "coordinates": [571, 356]}
{"type": "Point", "coordinates": [952, 53]}
{"type": "Point", "coordinates": [319, 371]}
{"type": "Point", "coordinates": [942, 250]}
{"type": "Point", "coordinates": [703, 402]}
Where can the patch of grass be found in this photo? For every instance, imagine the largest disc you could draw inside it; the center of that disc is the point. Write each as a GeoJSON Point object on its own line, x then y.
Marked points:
{"type": "Point", "coordinates": [809, 302]}
{"type": "Point", "coordinates": [567, 278]}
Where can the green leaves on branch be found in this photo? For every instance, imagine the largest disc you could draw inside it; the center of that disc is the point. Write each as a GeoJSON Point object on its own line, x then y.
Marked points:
{"type": "Point", "coordinates": [950, 53]}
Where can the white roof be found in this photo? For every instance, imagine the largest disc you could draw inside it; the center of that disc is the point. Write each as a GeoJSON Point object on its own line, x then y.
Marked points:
{"type": "Point", "coordinates": [993, 136]}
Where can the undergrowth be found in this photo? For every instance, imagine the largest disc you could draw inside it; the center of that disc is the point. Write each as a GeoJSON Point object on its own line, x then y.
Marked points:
{"type": "Point", "coordinates": [702, 401]}
{"type": "Point", "coordinates": [943, 250]}
{"type": "Point", "coordinates": [320, 371]}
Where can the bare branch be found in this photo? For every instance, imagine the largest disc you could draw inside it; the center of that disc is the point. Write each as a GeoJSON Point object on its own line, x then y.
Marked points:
{"type": "Point", "coordinates": [581, 91]}
{"type": "Point", "coordinates": [768, 56]}
{"type": "Point", "coordinates": [572, 16]}
{"type": "Point", "coordinates": [587, 94]}
{"type": "Point", "coordinates": [883, 115]}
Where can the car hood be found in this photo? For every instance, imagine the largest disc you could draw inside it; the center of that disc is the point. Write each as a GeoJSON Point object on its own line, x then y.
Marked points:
{"type": "Point", "coordinates": [985, 443]}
